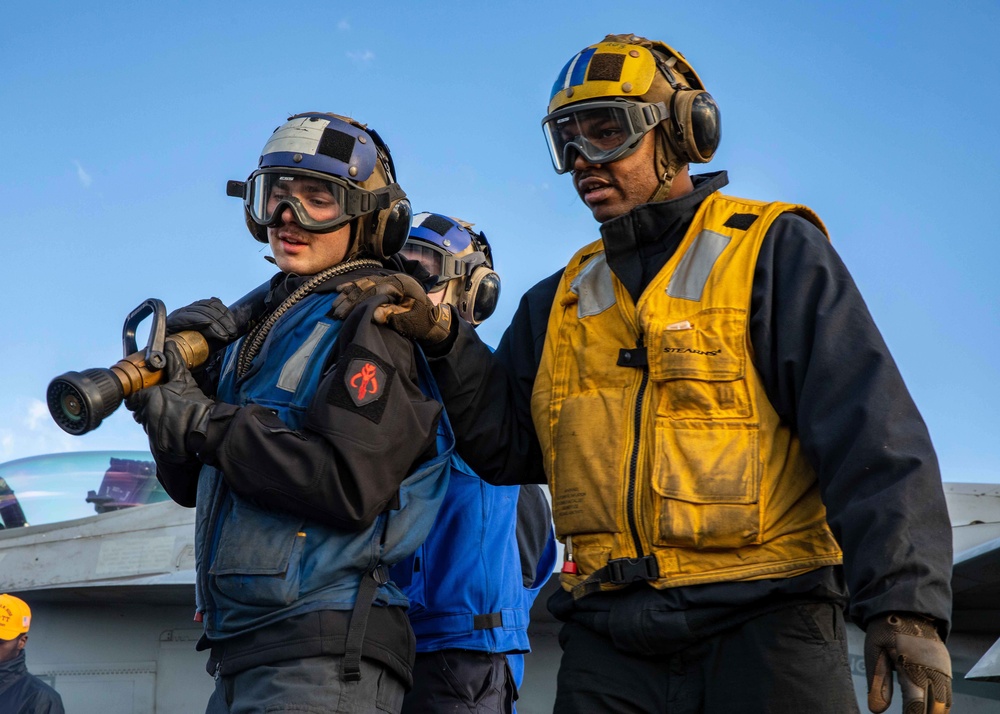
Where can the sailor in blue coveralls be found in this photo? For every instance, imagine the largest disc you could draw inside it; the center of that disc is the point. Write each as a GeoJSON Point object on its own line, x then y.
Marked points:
{"type": "Point", "coordinates": [312, 446]}
{"type": "Point", "coordinates": [472, 582]}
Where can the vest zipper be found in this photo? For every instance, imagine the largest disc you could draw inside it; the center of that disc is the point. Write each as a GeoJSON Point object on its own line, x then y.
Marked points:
{"type": "Point", "coordinates": [634, 462]}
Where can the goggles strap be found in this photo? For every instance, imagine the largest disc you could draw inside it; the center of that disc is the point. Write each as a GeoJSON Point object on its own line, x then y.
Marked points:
{"type": "Point", "coordinates": [361, 202]}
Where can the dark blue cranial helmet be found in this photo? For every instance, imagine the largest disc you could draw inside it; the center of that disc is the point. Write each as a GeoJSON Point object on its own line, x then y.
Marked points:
{"type": "Point", "coordinates": [352, 165]}
{"type": "Point", "coordinates": [461, 259]}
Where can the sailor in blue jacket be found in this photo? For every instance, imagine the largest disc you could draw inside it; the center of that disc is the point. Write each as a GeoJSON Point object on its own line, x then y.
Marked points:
{"type": "Point", "coordinates": [472, 582]}
{"type": "Point", "coordinates": [312, 446]}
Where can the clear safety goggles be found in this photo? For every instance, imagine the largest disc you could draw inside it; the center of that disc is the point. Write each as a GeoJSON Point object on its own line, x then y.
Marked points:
{"type": "Point", "coordinates": [319, 202]}
{"type": "Point", "coordinates": [440, 262]}
{"type": "Point", "coordinates": [600, 131]}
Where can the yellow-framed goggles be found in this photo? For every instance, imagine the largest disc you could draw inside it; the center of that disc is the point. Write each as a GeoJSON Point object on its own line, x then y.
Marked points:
{"type": "Point", "coordinates": [600, 131]}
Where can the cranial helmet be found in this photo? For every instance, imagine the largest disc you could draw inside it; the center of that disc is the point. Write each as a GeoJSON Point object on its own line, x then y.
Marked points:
{"type": "Point", "coordinates": [609, 95]}
{"type": "Point", "coordinates": [344, 161]}
{"type": "Point", "coordinates": [462, 261]}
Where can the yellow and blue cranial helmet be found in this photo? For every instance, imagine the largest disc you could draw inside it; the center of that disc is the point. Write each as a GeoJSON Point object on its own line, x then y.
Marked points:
{"type": "Point", "coordinates": [609, 95]}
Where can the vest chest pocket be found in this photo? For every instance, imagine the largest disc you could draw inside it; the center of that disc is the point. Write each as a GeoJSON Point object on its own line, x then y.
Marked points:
{"type": "Point", "coordinates": [708, 485]}
{"type": "Point", "coordinates": [697, 366]}
{"type": "Point", "coordinates": [257, 557]}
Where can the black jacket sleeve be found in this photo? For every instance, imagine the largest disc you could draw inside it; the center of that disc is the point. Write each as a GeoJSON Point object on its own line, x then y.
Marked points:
{"type": "Point", "coordinates": [828, 372]}
{"type": "Point", "coordinates": [488, 395]}
{"type": "Point", "coordinates": [345, 465]}
{"type": "Point", "coordinates": [180, 481]}
{"type": "Point", "coordinates": [533, 530]}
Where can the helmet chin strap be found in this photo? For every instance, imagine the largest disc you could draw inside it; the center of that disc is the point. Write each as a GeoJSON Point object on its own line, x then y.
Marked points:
{"type": "Point", "coordinates": [667, 165]}
{"type": "Point", "coordinates": [453, 291]}
{"type": "Point", "coordinates": [354, 247]}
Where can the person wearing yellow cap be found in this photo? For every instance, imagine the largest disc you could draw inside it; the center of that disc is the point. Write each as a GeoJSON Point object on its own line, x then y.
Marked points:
{"type": "Point", "coordinates": [20, 691]}
{"type": "Point", "coordinates": [733, 456]}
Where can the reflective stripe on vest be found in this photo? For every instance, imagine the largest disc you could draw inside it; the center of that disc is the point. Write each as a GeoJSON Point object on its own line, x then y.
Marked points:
{"type": "Point", "coordinates": [291, 372]}
{"type": "Point", "coordinates": [688, 281]}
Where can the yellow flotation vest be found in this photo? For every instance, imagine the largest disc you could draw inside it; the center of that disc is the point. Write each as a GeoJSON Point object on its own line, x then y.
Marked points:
{"type": "Point", "coordinates": [666, 461]}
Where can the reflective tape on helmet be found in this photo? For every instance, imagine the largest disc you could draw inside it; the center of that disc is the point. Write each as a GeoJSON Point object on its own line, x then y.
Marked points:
{"type": "Point", "coordinates": [300, 136]}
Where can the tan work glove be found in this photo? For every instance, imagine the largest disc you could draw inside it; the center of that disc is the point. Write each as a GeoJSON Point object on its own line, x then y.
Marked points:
{"type": "Point", "coordinates": [910, 645]}
{"type": "Point", "coordinates": [406, 309]}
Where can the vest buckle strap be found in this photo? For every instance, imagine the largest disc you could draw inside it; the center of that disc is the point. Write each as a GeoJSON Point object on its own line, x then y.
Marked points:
{"type": "Point", "coordinates": [367, 591]}
{"type": "Point", "coordinates": [380, 573]}
{"type": "Point", "coordinates": [487, 621]}
{"type": "Point", "coordinates": [622, 571]}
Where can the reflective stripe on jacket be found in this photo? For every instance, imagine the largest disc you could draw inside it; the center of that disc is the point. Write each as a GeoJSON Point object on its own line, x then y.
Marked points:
{"type": "Point", "coordinates": [657, 434]}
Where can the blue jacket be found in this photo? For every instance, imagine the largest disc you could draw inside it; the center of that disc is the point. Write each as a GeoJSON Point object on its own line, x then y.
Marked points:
{"type": "Point", "coordinates": [258, 566]}
{"type": "Point", "coordinates": [465, 582]}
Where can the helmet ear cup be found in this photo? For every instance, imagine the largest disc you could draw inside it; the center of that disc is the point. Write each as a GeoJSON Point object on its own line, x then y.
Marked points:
{"type": "Point", "coordinates": [258, 231]}
{"type": "Point", "coordinates": [480, 296]}
{"type": "Point", "coordinates": [695, 126]}
{"type": "Point", "coordinates": [392, 226]}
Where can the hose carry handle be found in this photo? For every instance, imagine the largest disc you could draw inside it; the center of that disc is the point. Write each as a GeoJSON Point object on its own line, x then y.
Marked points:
{"type": "Point", "coordinates": [153, 357]}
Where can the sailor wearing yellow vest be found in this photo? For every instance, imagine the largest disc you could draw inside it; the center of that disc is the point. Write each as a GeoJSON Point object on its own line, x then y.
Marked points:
{"type": "Point", "coordinates": [718, 419]}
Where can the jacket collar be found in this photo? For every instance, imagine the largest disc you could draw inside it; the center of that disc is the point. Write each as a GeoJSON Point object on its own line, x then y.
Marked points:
{"type": "Point", "coordinates": [12, 670]}
{"type": "Point", "coordinates": [639, 243]}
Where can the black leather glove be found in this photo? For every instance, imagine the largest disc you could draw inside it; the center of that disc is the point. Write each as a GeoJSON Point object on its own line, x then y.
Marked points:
{"type": "Point", "coordinates": [175, 414]}
{"type": "Point", "coordinates": [909, 644]}
{"type": "Point", "coordinates": [405, 307]}
{"type": "Point", "coordinates": [209, 317]}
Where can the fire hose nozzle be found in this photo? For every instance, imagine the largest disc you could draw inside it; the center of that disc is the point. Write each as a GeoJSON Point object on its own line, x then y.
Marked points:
{"type": "Point", "coordinates": [80, 401]}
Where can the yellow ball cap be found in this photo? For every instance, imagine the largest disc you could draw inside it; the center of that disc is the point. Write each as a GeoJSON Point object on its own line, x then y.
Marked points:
{"type": "Point", "coordinates": [15, 617]}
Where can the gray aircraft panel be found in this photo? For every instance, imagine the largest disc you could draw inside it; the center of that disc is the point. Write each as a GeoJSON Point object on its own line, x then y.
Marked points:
{"type": "Point", "coordinates": [144, 546]}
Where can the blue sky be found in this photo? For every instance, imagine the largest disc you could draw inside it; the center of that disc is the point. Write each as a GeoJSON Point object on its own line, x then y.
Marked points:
{"type": "Point", "coordinates": [120, 124]}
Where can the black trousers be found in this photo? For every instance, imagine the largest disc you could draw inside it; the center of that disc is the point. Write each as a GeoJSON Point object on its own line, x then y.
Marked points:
{"type": "Point", "coordinates": [310, 684]}
{"type": "Point", "coordinates": [460, 681]}
{"type": "Point", "coordinates": [790, 661]}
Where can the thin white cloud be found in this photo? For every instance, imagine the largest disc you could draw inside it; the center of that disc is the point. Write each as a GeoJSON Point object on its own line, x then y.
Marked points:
{"type": "Point", "coordinates": [32, 432]}
{"type": "Point", "coordinates": [343, 26]}
{"type": "Point", "coordinates": [85, 179]}
{"type": "Point", "coordinates": [37, 412]}
{"type": "Point", "coordinates": [362, 57]}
